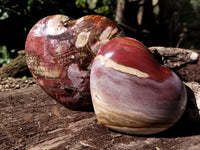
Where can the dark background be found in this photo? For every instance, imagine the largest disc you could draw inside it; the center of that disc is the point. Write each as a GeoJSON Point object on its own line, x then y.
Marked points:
{"type": "Point", "coordinates": [153, 22]}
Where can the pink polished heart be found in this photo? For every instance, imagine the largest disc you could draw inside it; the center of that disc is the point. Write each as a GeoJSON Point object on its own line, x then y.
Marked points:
{"type": "Point", "coordinates": [59, 51]}
{"type": "Point", "coordinates": [131, 92]}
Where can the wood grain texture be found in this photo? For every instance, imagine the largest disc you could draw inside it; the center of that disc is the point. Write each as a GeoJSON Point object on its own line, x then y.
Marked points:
{"type": "Point", "coordinates": [30, 119]}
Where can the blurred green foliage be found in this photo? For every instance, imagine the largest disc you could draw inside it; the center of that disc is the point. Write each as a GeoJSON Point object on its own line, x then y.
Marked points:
{"type": "Point", "coordinates": [18, 16]}
{"type": "Point", "coordinates": [4, 56]}
{"type": "Point", "coordinates": [102, 7]}
{"type": "Point", "coordinates": [196, 7]}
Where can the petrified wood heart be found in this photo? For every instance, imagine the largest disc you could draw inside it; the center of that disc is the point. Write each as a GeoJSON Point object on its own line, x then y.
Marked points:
{"type": "Point", "coordinates": [131, 92]}
{"type": "Point", "coordinates": [59, 51]}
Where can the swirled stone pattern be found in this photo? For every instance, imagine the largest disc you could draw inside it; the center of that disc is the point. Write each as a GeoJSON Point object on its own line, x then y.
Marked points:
{"type": "Point", "coordinates": [59, 51]}
{"type": "Point", "coordinates": [131, 92]}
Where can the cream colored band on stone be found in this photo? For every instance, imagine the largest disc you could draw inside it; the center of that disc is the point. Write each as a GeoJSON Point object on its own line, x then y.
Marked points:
{"type": "Point", "coordinates": [111, 64]}
{"type": "Point", "coordinates": [45, 72]}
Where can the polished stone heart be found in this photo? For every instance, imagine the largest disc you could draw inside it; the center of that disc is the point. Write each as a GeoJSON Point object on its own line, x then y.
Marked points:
{"type": "Point", "coordinates": [131, 92]}
{"type": "Point", "coordinates": [59, 51]}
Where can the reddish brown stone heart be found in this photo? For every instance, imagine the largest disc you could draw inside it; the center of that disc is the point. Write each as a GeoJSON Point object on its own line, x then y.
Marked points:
{"type": "Point", "coordinates": [131, 92]}
{"type": "Point", "coordinates": [59, 51]}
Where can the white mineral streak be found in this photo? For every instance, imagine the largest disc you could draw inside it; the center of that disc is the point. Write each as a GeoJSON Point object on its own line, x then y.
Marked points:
{"type": "Point", "coordinates": [115, 30]}
{"type": "Point", "coordinates": [82, 39]}
{"type": "Point", "coordinates": [55, 25]}
{"type": "Point", "coordinates": [38, 30]}
{"type": "Point", "coordinates": [45, 72]}
{"type": "Point", "coordinates": [125, 69]}
{"type": "Point", "coordinates": [106, 33]}
{"type": "Point", "coordinates": [76, 75]}
{"type": "Point", "coordinates": [96, 47]}
{"type": "Point", "coordinates": [79, 20]}
{"type": "Point", "coordinates": [194, 56]}
{"type": "Point", "coordinates": [62, 46]}
{"type": "Point", "coordinates": [105, 37]}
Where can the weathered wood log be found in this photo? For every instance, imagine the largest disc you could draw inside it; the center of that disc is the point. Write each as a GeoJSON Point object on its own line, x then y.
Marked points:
{"type": "Point", "coordinates": [192, 112]}
{"type": "Point", "coordinates": [30, 119]}
{"type": "Point", "coordinates": [16, 68]}
{"type": "Point", "coordinates": [174, 57]}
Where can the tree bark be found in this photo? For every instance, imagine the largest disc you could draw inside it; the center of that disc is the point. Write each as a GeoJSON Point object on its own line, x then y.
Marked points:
{"type": "Point", "coordinates": [174, 58]}
{"type": "Point", "coordinates": [30, 119]}
{"type": "Point", "coordinates": [16, 68]}
{"type": "Point", "coordinates": [126, 13]}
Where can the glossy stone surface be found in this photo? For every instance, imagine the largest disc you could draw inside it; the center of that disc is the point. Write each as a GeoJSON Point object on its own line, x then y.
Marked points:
{"type": "Point", "coordinates": [59, 51]}
{"type": "Point", "coordinates": [131, 92]}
